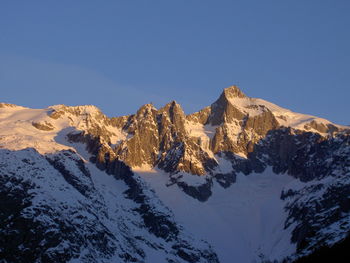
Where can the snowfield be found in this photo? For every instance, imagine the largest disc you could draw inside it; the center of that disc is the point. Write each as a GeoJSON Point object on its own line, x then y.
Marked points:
{"type": "Point", "coordinates": [244, 222]}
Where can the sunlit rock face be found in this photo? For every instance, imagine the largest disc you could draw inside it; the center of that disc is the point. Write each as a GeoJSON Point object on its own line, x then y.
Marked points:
{"type": "Point", "coordinates": [169, 139]}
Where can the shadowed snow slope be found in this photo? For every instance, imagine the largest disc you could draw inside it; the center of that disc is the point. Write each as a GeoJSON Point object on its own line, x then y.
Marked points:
{"type": "Point", "coordinates": [241, 222]}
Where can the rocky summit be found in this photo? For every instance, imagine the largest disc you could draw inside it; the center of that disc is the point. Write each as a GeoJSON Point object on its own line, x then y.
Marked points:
{"type": "Point", "coordinates": [242, 180]}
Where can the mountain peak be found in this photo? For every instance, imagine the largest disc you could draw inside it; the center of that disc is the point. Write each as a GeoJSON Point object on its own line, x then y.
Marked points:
{"type": "Point", "coordinates": [233, 92]}
{"type": "Point", "coordinates": [146, 110]}
{"type": "Point", "coordinates": [173, 108]}
{"type": "Point", "coordinates": [148, 107]}
{"type": "Point", "coordinates": [172, 105]}
{"type": "Point", "coordinates": [223, 109]}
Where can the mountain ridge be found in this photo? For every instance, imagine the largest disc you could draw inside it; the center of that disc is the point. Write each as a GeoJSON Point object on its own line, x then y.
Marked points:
{"type": "Point", "coordinates": [200, 156]}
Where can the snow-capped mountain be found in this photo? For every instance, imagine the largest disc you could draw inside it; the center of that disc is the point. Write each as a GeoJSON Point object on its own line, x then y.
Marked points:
{"type": "Point", "coordinates": [242, 180]}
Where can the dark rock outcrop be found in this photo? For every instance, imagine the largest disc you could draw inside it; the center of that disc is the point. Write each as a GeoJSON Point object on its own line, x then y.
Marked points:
{"type": "Point", "coordinates": [46, 126]}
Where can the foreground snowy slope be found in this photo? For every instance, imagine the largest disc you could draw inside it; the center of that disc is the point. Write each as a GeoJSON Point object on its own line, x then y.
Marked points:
{"type": "Point", "coordinates": [58, 208]}
{"type": "Point", "coordinates": [243, 222]}
{"type": "Point", "coordinates": [242, 180]}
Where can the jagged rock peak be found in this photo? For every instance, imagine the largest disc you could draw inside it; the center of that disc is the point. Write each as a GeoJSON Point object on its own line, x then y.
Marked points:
{"type": "Point", "coordinates": [223, 110]}
{"type": "Point", "coordinates": [172, 103]}
{"type": "Point", "coordinates": [147, 108]}
{"type": "Point", "coordinates": [173, 106]}
{"type": "Point", "coordinates": [226, 97]}
{"type": "Point", "coordinates": [233, 92]}
{"type": "Point", "coordinates": [175, 114]}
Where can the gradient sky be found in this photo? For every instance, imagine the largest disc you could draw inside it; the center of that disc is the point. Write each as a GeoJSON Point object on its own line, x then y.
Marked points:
{"type": "Point", "coordinates": [119, 55]}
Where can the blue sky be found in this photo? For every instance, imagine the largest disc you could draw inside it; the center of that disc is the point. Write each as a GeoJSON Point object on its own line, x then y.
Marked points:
{"type": "Point", "coordinates": [119, 55]}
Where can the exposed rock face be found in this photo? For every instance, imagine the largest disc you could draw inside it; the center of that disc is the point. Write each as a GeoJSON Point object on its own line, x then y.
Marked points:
{"type": "Point", "coordinates": [247, 129]}
{"type": "Point", "coordinates": [307, 156]}
{"type": "Point", "coordinates": [155, 136]}
{"type": "Point", "coordinates": [223, 111]}
{"type": "Point", "coordinates": [162, 137]}
{"type": "Point", "coordinates": [46, 126]}
{"type": "Point", "coordinates": [141, 148]}
{"type": "Point", "coordinates": [201, 192]}
{"type": "Point", "coordinates": [321, 127]}
{"type": "Point", "coordinates": [200, 116]}
{"type": "Point", "coordinates": [159, 137]}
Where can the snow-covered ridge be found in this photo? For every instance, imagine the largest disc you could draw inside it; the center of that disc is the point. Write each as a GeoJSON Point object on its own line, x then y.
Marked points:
{"type": "Point", "coordinates": [255, 106]}
{"type": "Point", "coordinates": [238, 113]}
{"type": "Point", "coordinates": [42, 129]}
{"type": "Point", "coordinates": [235, 122]}
{"type": "Point", "coordinates": [9, 105]}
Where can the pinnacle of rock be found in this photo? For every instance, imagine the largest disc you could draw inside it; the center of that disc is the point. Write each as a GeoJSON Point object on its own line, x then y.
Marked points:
{"type": "Point", "coordinates": [233, 92]}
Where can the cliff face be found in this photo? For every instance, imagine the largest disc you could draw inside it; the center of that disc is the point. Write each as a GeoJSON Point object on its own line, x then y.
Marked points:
{"type": "Point", "coordinates": [168, 139]}
{"type": "Point", "coordinates": [234, 123]}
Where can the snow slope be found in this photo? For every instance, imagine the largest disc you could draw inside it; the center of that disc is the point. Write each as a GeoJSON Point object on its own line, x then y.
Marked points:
{"type": "Point", "coordinates": [18, 129]}
{"type": "Point", "coordinates": [244, 223]}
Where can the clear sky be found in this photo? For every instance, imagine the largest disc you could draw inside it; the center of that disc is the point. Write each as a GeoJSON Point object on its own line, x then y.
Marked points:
{"type": "Point", "coordinates": [119, 55]}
